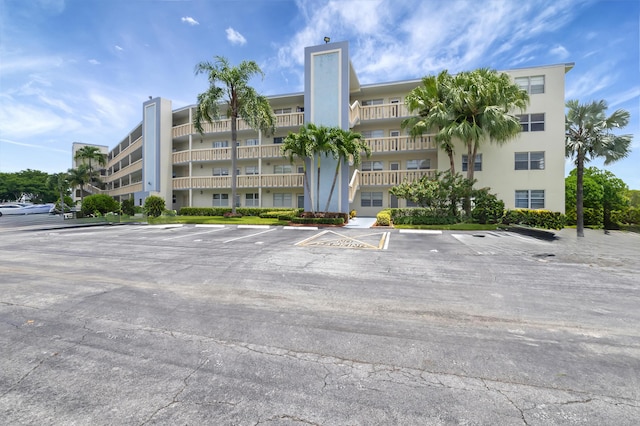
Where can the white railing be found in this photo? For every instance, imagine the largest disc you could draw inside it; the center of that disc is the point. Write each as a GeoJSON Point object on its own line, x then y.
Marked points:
{"type": "Point", "coordinates": [294, 119]}
{"type": "Point", "coordinates": [354, 185]}
{"type": "Point", "coordinates": [293, 180]}
{"type": "Point", "coordinates": [392, 177]}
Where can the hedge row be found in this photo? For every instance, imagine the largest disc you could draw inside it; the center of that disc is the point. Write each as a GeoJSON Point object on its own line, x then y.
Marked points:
{"type": "Point", "coordinates": [536, 218]}
{"type": "Point", "coordinates": [244, 211]}
{"type": "Point", "coordinates": [318, 220]}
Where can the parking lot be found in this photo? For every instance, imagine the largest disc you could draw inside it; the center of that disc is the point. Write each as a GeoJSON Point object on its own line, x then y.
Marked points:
{"type": "Point", "coordinates": [140, 324]}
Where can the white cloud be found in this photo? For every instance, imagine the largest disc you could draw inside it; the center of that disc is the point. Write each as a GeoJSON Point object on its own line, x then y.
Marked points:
{"type": "Point", "coordinates": [235, 37]}
{"type": "Point", "coordinates": [94, 62]}
{"type": "Point", "coordinates": [118, 48]}
{"type": "Point", "coordinates": [189, 20]}
{"type": "Point", "coordinates": [398, 40]}
{"type": "Point", "coordinates": [560, 51]}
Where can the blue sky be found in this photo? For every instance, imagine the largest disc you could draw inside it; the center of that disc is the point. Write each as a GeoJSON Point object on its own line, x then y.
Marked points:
{"type": "Point", "coordinates": [79, 70]}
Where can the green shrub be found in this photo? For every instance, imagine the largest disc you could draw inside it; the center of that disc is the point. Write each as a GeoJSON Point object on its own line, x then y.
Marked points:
{"type": "Point", "coordinates": [487, 207]}
{"type": "Point", "coordinates": [154, 206]}
{"type": "Point", "coordinates": [422, 216]}
{"type": "Point", "coordinates": [99, 204]}
{"type": "Point", "coordinates": [383, 218]}
{"type": "Point", "coordinates": [544, 219]}
{"type": "Point", "coordinates": [319, 220]}
{"type": "Point", "coordinates": [244, 211]}
{"type": "Point", "coordinates": [128, 207]}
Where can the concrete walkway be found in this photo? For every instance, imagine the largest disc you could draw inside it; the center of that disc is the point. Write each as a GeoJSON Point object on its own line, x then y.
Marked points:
{"type": "Point", "coordinates": [361, 222]}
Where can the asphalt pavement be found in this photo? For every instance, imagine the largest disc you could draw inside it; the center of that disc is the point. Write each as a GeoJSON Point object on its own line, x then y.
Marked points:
{"type": "Point", "coordinates": [226, 325]}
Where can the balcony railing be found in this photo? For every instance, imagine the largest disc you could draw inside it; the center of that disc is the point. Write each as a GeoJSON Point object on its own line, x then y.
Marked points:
{"type": "Point", "coordinates": [216, 154]}
{"type": "Point", "coordinates": [293, 180]}
{"type": "Point", "coordinates": [294, 119]}
{"type": "Point", "coordinates": [358, 112]}
{"type": "Point", "coordinates": [127, 189]}
{"type": "Point", "coordinates": [400, 143]}
{"type": "Point", "coordinates": [392, 177]}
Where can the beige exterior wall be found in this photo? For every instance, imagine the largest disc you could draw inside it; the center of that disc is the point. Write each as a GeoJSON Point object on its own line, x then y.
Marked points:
{"type": "Point", "coordinates": [197, 166]}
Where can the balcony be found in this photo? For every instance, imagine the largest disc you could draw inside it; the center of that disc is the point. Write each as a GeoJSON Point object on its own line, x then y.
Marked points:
{"type": "Point", "coordinates": [392, 177]}
{"type": "Point", "coordinates": [359, 113]}
{"type": "Point", "coordinates": [293, 180]}
{"type": "Point", "coordinates": [396, 144]}
{"type": "Point", "coordinates": [219, 154]}
{"type": "Point", "coordinates": [295, 119]}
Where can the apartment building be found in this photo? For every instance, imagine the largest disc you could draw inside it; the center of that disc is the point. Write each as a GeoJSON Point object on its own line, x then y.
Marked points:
{"type": "Point", "coordinates": [164, 155]}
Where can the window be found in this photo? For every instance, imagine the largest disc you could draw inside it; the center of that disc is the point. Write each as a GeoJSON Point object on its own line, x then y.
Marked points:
{"type": "Point", "coordinates": [529, 160]}
{"type": "Point", "coordinates": [371, 199]}
{"type": "Point", "coordinates": [532, 85]}
{"type": "Point", "coordinates": [221, 144]}
{"type": "Point", "coordinates": [251, 170]}
{"type": "Point", "coordinates": [368, 166]}
{"type": "Point", "coordinates": [282, 111]}
{"type": "Point", "coordinates": [530, 199]}
{"type": "Point", "coordinates": [532, 122]}
{"type": "Point", "coordinates": [281, 200]}
{"type": "Point", "coordinates": [220, 200]}
{"type": "Point", "coordinates": [477, 166]}
{"type": "Point", "coordinates": [372, 134]}
{"type": "Point", "coordinates": [419, 164]}
{"type": "Point", "coordinates": [300, 169]}
{"type": "Point", "coordinates": [279, 139]}
{"type": "Point", "coordinates": [251, 200]}
{"type": "Point", "coordinates": [368, 102]}
{"type": "Point", "coordinates": [252, 142]}
{"type": "Point", "coordinates": [282, 169]}
{"type": "Point", "coordinates": [220, 171]}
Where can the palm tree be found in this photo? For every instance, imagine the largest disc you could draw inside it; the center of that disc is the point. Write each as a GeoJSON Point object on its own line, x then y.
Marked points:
{"type": "Point", "coordinates": [79, 177]}
{"type": "Point", "coordinates": [299, 146]}
{"type": "Point", "coordinates": [347, 145]}
{"type": "Point", "coordinates": [588, 133]}
{"type": "Point", "coordinates": [430, 102]}
{"type": "Point", "coordinates": [60, 182]}
{"type": "Point", "coordinates": [230, 85]}
{"type": "Point", "coordinates": [91, 153]}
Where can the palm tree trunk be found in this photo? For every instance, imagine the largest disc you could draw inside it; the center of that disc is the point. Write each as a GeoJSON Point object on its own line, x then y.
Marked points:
{"type": "Point", "coordinates": [580, 194]}
{"type": "Point", "coordinates": [333, 185]}
{"type": "Point", "coordinates": [318, 187]}
{"type": "Point", "coordinates": [471, 163]}
{"type": "Point", "coordinates": [234, 151]}
{"type": "Point", "coordinates": [307, 185]}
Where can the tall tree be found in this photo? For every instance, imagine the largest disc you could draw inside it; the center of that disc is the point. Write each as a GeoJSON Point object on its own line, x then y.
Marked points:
{"type": "Point", "coordinates": [230, 85]}
{"type": "Point", "coordinates": [346, 145]}
{"type": "Point", "coordinates": [432, 104]}
{"type": "Point", "coordinates": [59, 182]}
{"type": "Point", "coordinates": [79, 177]}
{"type": "Point", "coordinates": [588, 135]}
{"type": "Point", "coordinates": [299, 146]}
{"type": "Point", "coordinates": [91, 154]}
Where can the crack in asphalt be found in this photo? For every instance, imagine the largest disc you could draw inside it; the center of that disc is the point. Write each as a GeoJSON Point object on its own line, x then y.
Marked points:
{"type": "Point", "coordinates": [175, 398]}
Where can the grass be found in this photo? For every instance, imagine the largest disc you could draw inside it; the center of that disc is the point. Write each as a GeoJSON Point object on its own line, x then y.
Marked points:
{"type": "Point", "coordinates": [215, 220]}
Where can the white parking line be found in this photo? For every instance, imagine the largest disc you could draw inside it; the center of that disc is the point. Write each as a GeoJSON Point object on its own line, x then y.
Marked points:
{"type": "Point", "coordinates": [248, 236]}
{"type": "Point", "coordinates": [387, 236]}
{"type": "Point", "coordinates": [191, 235]}
{"type": "Point", "coordinates": [253, 226]}
{"type": "Point", "coordinates": [420, 231]}
{"type": "Point", "coordinates": [206, 225]}
{"type": "Point", "coordinates": [302, 228]}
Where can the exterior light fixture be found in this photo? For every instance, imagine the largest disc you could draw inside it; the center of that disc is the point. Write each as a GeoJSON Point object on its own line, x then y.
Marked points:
{"type": "Point", "coordinates": [327, 39]}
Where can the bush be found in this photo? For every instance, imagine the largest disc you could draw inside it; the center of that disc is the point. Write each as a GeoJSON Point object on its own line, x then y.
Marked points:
{"type": "Point", "coordinates": [128, 207]}
{"type": "Point", "coordinates": [487, 207]}
{"type": "Point", "coordinates": [319, 220]}
{"type": "Point", "coordinates": [99, 204]}
{"type": "Point", "coordinates": [421, 216]}
{"type": "Point", "coordinates": [154, 206]}
{"type": "Point", "coordinates": [245, 211]}
{"type": "Point", "coordinates": [383, 218]}
{"type": "Point", "coordinates": [544, 219]}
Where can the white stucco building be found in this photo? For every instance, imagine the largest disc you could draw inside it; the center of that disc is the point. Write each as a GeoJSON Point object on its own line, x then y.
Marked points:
{"type": "Point", "coordinates": [165, 155]}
